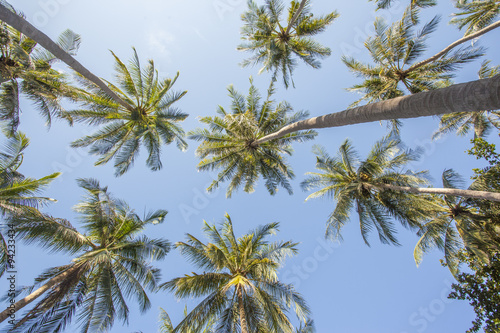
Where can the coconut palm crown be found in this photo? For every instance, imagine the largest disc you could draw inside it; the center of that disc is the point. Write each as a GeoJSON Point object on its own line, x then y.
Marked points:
{"type": "Point", "coordinates": [277, 47]}
{"type": "Point", "coordinates": [26, 70]}
{"type": "Point", "coordinates": [240, 286]}
{"type": "Point", "coordinates": [17, 193]}
{"type": "Point", "coordinates": [150, 120]}
{"type": "Point", "coordinates": [111, 263]}
{"type": "Point", "coordinates": [227, 145]}
{"type": "Point", "coordinates": [353, 184]}
{"type": "Point", "coordinates": [394, 48]}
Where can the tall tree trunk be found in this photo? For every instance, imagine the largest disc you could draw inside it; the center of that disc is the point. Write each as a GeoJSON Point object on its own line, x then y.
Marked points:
{"type": "Point", "coordinates": [23, 26]}
{"type": "Point", "coordinates": [451, 46]}
{"type": "Point", "coordinates": [243, 318]}
{"type": "Point", "coordinates": [34, 295]}
{"type": "Point", "coordinates": [295, 16]}
{"type": "Point", "coordinates": [471, 96]}
{"type": "Point", "coordinates": [491, 196]}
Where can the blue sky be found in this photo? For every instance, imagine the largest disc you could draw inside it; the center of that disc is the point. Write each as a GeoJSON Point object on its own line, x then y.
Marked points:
{"type": "Point", "coordinates": [350, 287]}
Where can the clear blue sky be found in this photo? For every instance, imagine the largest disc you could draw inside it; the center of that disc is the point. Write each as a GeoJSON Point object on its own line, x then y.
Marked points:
{"type": "Point", "coordinates": [350, 287]}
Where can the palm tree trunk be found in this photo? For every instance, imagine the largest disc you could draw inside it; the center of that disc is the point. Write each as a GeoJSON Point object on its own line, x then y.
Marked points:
{"type": "Point", "coordinates": [464, 97]}
{"type": "Point", "coordinates": [452, 45]}
{"type": "Point", "coordinates": [23, 26]}
{"type": "Point", "coordinates": [295, 16]}
{"type": "Point", "coordinates": [243, 319]}
{"type": "Point", "coordinates": [491, 196]}
{"type": "Point", "coordinates": [31, 297]}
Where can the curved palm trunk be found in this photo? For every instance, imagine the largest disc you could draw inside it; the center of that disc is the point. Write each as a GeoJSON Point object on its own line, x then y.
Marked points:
{"type": "Point", "coordinates": [243, 319]}
{"type": "Point", "coordinates": [295, 16]}
{"type": "Point", "coordinates": [34, 295]}
{"type": "Point", "coordinates": [23, 26]}
{"type": "Point", "coordinates": [452, 45]}
{"type": "Point", "coordinates": [464, 97]}
{"type": "Point", "coordinates": [491, 196]}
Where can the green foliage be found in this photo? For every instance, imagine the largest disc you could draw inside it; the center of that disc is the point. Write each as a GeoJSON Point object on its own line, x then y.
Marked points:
{"type": "Point", "coordinates": [25, 69]}
{"type": "Point", "coordinates": [475, 14]}
{"type": "Point", "coordinates": [394, 48]}
{"type": "Point", "coordinates": [354, 184]}
{"type": "Point", "coordinates": [17, 193]}
{"type": "Point", "coordinates": [276, 47]}
{"type": "Point", "coordinates": [227, 144]}
{"type": "Point", "coordinates": [449, 218]}
{"type": "Point", "coordinates": [456, 223]}
{"type": "Point", "coordinates": [384, 4]}
{"type": "Point", "coordinates": [482, 289]}
{"type": "Point", "coordinates": [307, 327]}
{"type": "Point", "coordinates": [483, 149]}
{"type": "Point", "coordinates": [150, 120]}
{"type": "Point", "coordinates": [481, 121]}
{"type": "Point", "coordinates": [240, 281]}
{"type": "Point", "coordinates": [111, 263]}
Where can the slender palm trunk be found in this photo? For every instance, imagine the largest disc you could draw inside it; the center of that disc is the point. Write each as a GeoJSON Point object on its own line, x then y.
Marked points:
{"type": "Point", "coordinates": [464, 97]}
{"type": "Point", "coordinates": [243, 319]}
{"type": "Point", "coordinates": [491, 196]}
{"type": "Point", "coordinates": [452, 45]}
{"type": "Point", "coordinates": [31, 297]}
{"type": "Point", "coordinates": [295, 16]}
{"type": "Point", "coordinates": [23, 26]}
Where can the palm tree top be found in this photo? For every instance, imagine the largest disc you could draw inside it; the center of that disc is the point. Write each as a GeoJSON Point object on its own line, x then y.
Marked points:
{"type": "Point", "coordinates": [112, 262]}
{"type": "Point", "coordinates": [237, 256]}
{"type": "Point", "coordinates": [229, 145]}
{"type": "Point", "coordinates": [395, 50]}
{"type": "Point", "coordinates": [353, 184]}
{"type": "Point", "coordinates": [277, 46]}
{"type": "Point", "coordinates": [240, 282]}
{"type": "Point", "coordinates": [150, 118]}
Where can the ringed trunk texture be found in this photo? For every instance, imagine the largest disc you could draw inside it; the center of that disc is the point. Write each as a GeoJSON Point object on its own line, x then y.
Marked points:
{"type": "Point", "coordinates": [476, 96]}
{"type": "Point", "coordinates": [243, 319]}
{"type": "Point", "coordinates": [34, 295]}
{"type": "Point", "coordinates": [491, 196]}
{"type": "Point", "coordinates": [452, 45]}
{"type": "Point", "coordinates": [23, 26]}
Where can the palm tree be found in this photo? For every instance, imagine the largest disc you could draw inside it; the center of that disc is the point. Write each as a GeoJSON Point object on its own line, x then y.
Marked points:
{"type": "Point", "coordinates": [393, 49]}
{"type": "Point", "coordinates": [228, 143]}
{"type": "Point", "coordinates": [476, 14]}
{"type": "Point", "coordinates": [9, 16]}
{"type": "Point", "coordinates": [357, 184]}
{"type": "Point", "coordinates": [481, 121]}
{"type": "Point", "coordinates": [240, 286]}
{"type": "Point", "coordinates": [111, 264]}
{"type": "Point", "coordinates": [276, 46]}
{"type": "Point", "coordinates": [150, 120]}
{"type": "Point", "coordinates": [17, 193]}
{"type": "Point", "coordinates": [455, 224]}
{"type": "Point", "coordinates": [26, 69]}
{"type": "Point", "coordinates": [377, 189]}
